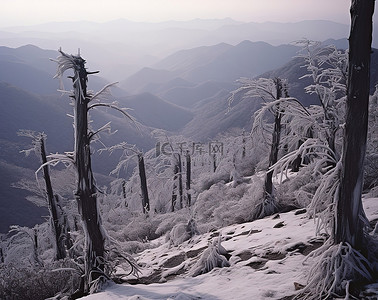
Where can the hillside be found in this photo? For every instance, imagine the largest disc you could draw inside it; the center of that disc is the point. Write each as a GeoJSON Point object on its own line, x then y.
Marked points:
{"type": "Point", "coordinates": [48, 114]}
{"type": "Point", "coordinates": [31, 69]}
{"type": "Point", "coordinates": [267, 259]}
{"type": "Point", "coordinates": [222, 63]}
{"type": "Point", "coordinates": [213, 116]}
{"type": "Point", "coordinates": [189, 96]}
{"type": "Point", "coordinates": [246, 59]}
{"type": "Point", "coordinates": [155, 112]}
{"type": "Point", "coordinates": [174, 102]}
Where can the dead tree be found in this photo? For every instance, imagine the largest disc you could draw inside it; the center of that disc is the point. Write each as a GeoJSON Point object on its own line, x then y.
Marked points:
{"type": "Point", "coordinates": [188, 178]}
{"type": "Point", "coordinates": [349, 224]}
{"type": "Point", "coordinates": [1, 255]}
{"type": "Point", "coordinates": [177, 189]}
{"type": "Point", "coordinates": [94, 248]}
{"type": "Point", "coordinates": [272, 92]}
{"type": "Point", "coordinates": [57, 226]}
{"type": "Point", "coordinates": [269, 205]}
{"type": "Point", "coordinates": [86, 190]}
{"type": "Point", "coordinates": [276, 135]}
{"type": "Point", "coordinates": [131, 152]}
{"type": "Point", "coordinates": [143, 184]}
{"type": "Point", "coordinates": [86, 197]}
{"type": "Point", "coordinates": [348, 260]}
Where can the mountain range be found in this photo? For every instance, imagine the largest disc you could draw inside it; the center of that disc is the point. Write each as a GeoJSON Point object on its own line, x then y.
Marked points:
{"type": "Point", "coordinates": [183, 92]}
{"type": "Point", "coordinates": [121, 47]}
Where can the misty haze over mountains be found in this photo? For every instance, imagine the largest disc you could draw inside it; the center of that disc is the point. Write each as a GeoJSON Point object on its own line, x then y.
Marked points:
{"type": "Point", "coordinates": [175, 76]}
{"type": "Point", "coordinates": [120, 48]}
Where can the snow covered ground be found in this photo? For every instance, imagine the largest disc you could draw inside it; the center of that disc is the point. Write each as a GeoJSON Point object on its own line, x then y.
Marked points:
{"type": "Point", "coordinates": [267, 261]}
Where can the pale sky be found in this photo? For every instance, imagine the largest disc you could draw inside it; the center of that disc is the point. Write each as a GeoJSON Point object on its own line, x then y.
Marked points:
{"type": "Point", "coordinates": [28, 12]}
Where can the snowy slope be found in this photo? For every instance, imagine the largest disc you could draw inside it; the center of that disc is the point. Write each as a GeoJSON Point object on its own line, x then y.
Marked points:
{"type": "Point", "coordinates": [267, 259]}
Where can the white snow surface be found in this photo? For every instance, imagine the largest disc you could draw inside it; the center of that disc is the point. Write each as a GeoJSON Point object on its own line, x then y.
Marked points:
{"type": "Point", "coordinates": [264, 262]}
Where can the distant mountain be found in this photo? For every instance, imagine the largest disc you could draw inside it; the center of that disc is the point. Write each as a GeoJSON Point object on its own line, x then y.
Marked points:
{"type": "Point", "coordinates": [340, 43]}
{"type": "Point", "coordinates": [247, 59]}
{"type": "Point", "coordinates": [121, 47]}
{"type": "Point", "coordinates": [31, 55]}
{"type": "Point", "coordinates": [14, 208]}
{"type": "Point", "coordinates": [222, 63]}
{"type": "Point", "coordinates": [23, 110]}
{"type": "Point", "coordinates": [280, 33]}
{"type": "Point", "coordinates": [183, 91]}
{"type": "Point", "coordinates": [293, 70]}
{"type": "Point", "coordinates": [213, 116]}
{"type": "Point", "coordinates": [189, 96]}
{"type": "Point", "coordinates": [143, 79]}
{"type": "Point", "coordinates": [154, 112]}
{"type": "Point", "coordinates": [30, 68]}
{"type": "Point", "coordinates": [190, 59]}
{"type": "Point", "coordinates": [48, 114]}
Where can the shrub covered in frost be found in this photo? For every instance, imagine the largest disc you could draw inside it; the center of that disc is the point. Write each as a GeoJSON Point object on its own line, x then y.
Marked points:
{"type": "Point", "coordinates": [224, 205]}
{"type": "Point", "coordinates": [38, 283]}
{"type": "Point", "coordinates": [213, 257]}
{"type": "Point", "coordinates": [300, 189]}
{"type": "Point", "coordinates": [182, 232]}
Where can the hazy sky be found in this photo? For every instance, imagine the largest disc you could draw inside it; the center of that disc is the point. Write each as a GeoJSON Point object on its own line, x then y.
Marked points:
{"type": "Point", "coordinates": [26, 12]}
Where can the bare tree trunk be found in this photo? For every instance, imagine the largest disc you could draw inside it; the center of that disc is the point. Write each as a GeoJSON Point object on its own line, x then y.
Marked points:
{"type": "Point", "coordinates": [276, 135]}
{"type": "Point", "coordinates": [268, 206]}
{"type": "Point", "coordinates": [177, 181]}
{"type": "Point", "coordinates": [35, 247]}
{"type": "Point", "coordinates": [124, 189]}
{"type": "Point", "coordinates": [1, 255]}
{"type": "Point", "coordinates": [348, 223]}
{"type": "Point", "coordinates": [214, 161]}
{"type": "Point", "coordinates": [188, 178]}
{"type": "Point", "coordinates": [180, 187]}
{"type": "Point", "coordinates": [143, 184]}
{"type": "Point", "coordinates": [57, 228]}
{"type": "Point", "coordinates": [243, 145]}
{"type": "Point", "coordinates": [174, 188]}
{"type": "Point", "coordinates": [67, 239]}
{"type": "Point", "coordinates": [86, 191]}
{"type": "Point", "coordinates": [297, 162]}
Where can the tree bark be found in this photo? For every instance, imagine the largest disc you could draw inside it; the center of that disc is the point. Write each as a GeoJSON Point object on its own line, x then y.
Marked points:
{"type": "Point", "coordinates": [86, 191]}
{"type": "Point", "coordinates": [143, 184]}
{"type": "Point", "coordinates": [57, 228]}
{"type": "Point", "coordinates": [1, 255]}
{"type": "Point", "coordinates": [188, 178]}
{"type": "Point", "coordinates": [180, 188]}
{"type": "Point", "coordinates": [177, 186]}
{"type": "Point", "coordinates": [348, 223]}
{"type": "Point", "coordinates": [276, 135]}
{"type": "Point", "coordinates": [174, 187]}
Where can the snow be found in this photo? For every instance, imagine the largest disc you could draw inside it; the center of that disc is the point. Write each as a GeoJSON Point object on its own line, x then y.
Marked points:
{"type": "Point", "coordinates": [266, 262]}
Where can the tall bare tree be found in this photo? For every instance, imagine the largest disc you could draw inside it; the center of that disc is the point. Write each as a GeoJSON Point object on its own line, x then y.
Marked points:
{"type": "Point", "coordinates": [58, 223]}
{"type": "Point", "coordinates": [348, 259]}
{"type": "Point", "coordinates": [86, 190]}
{"type": "Point", "coordinates": [349, 224]}
{"type": "Point", "coordinates": [94, 256]}
{"type": "Point", "coordinates": [143, 184]}
{"type": "Point", "coordinates": [272, 92]}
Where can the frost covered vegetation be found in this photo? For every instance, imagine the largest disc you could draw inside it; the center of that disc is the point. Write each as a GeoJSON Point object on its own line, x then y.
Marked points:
{"type": "Point", "coordinates": [293, 159]}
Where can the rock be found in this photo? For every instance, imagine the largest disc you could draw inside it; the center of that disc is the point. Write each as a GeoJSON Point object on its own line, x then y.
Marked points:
{"type": "Point", "coordinates": [279, 225]}
{"type": "Point", "coordinates": [298, 286]}
{"type": "Point", "coordinates": [300, 211]}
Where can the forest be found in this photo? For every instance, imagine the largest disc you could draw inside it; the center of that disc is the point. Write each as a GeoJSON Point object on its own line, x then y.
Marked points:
{"type": "Point", "coordinates": [293, 195]}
